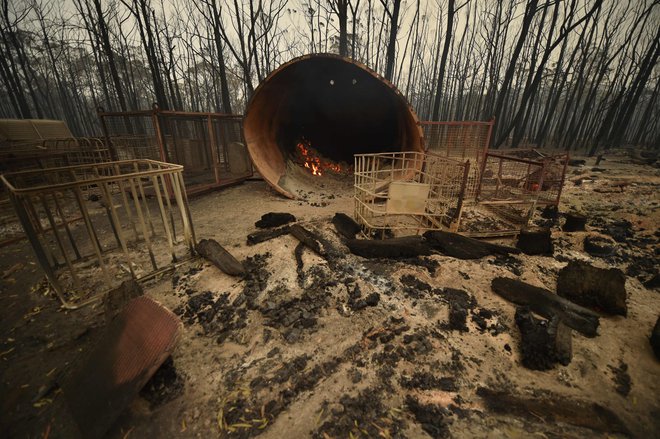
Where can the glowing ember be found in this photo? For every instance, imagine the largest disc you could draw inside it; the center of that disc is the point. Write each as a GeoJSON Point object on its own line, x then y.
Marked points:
{"type": "Point", "coordinates": [314, 163]}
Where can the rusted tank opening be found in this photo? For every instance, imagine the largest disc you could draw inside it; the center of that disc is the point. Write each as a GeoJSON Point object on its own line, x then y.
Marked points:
{"type": "Point", "coordinates": [334, 105]}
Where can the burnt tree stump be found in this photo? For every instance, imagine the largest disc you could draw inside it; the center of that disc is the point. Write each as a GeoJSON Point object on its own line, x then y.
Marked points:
{"type": "Point", "coordinates": [211, 250]}
{"type": "Point", "coordinates": [593, 287]}
{"type": "Point", "coordinates": [535, 242]}
{"type": "Point", "coordinates": [543, 342]}
{"type": "Point", "coordinates": [575, 222]}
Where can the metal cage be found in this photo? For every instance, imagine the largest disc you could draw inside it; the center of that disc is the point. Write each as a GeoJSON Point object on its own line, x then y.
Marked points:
{"type": "Point", "coordinates": [92, 226]}
{"type": "Point", "coordinates": [403, 193]}
{"type": "Point", "coordinates": [210, 146]}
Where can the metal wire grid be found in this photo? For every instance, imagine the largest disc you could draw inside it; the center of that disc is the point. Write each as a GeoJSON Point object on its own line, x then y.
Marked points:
{"type": "Point", "coordinates": [92, 226]}
{"type": "Point", "coordinates": [210, 146]}
{"type": "Point", "coordinates": [461, 140]}
{"type": "Point", "coordinates": [386, 183]}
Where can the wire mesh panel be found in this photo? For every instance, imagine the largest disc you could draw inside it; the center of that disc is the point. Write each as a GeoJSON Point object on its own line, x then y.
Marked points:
{"type": "Point", "coordinates": [210, 146]}
{"type": "Point", "coordinates": [43, 154]}
{"type": "Point", "coordinates": [404, 193]}
{"type": "Point", "coordinates": [507, 196]}
{"type": "Point", "coordinates": [461, 140]}
{"type": "Point", "coordinates": [92, 226]}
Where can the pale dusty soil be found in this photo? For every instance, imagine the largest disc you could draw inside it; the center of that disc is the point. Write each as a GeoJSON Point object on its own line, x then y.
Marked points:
{"type": "Point", "coordinates": [249, 384]}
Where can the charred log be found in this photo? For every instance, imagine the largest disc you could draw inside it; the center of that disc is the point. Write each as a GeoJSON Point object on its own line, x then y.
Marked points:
{"type": "Point", "coordinates": [462, 247]}
{"type": "Point", "coordinates": [211, 250]}
{"type": "Point", "coordinates": [345, 225]}
{"type": "Point", "coordinates": [547, 304]}
{"type": "Point", "coordinates": [404, 247]}
{"type": "Point", "coordinates": [266, 235]}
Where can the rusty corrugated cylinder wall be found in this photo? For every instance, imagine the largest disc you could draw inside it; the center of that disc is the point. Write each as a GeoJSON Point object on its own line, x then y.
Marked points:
{"type": "Point", "coordinates": [338, 105]}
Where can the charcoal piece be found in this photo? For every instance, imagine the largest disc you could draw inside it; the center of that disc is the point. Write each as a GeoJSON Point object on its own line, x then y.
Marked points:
{"type": "Point", "coordinates": [274, 219]}
{"type": "Point", "coordinates": [655, 339]}
{"type": "Point", "coordinates": [221, 258]}
{"type": "Point", "coordinates": [431, 417]}
{"type": "Point", "coordinates": [547, 304]}
{"type": "Point", "coordinates": [345, 225]}
{"type": "Point", "coordinates": [593, 287]}
{"type": "Point", "coordinates": [575, 222]}
{"type": "Point", "coordinates": [599, 245]}
{"type": "Point", "coordinates": [265, 235]}
{"type": "Point", "coordinates": [404, 247]}
{"type": "Point", "coordinates": [535, 242]}
{"type": "Point", "coordinates": [543, 343]}
{"type": "Point", "coordinates": [462, 247]}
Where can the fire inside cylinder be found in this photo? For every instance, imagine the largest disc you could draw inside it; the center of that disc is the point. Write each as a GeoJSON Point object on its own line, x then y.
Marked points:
{"type": "Point", "coordinates": [312, 161]}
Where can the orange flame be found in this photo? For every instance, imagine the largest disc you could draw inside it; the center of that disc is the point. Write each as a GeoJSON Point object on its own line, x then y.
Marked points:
{"type": "Point", "coordinates": [313, 162]}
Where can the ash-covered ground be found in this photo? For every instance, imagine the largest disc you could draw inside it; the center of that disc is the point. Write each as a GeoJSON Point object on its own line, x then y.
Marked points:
{"type": "Point", "coordinates": [342, 346]}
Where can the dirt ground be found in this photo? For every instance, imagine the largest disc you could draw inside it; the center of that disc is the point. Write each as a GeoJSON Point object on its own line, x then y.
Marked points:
{"type": "Point", "coordinates": [347, 347]}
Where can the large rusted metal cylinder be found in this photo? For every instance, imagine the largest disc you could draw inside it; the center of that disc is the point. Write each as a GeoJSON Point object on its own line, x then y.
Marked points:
{"type": "Point", "coordinates": [339, 106]}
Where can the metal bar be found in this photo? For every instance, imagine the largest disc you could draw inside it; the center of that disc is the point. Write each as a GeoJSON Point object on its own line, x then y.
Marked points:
{"type": "Point", "coordinates": [214, 148]}
{"type": "Point", "coordinates": [144, 201]}
{"type": "Point", "coordinates": [60, 244]}
{"type": "Point", "coordinates": [60, 213]}
{"type": "Point", "coordinates": [127, 206]}
{"type": "Point", "coordinates": [184, 215]}
{"type": "Point", "coordinates": [37, 247]}
{"type": "Point", "coordinates": [166, 224]}
{"type": "Point", "coordinates": [92, 233]}
{"type": "Point", "coordinates": [117, 227]}
{"type": "Point", "coordinates": [145, 232]}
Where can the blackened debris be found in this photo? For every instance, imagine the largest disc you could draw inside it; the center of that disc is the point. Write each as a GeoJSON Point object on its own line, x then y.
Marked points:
{"type": "Point", "coordinates": [356, 302]}
{"type": "Point", "coordinates": [655, 338]}
{"type": "Point", "coordinates": [460, 303]}
{"type": "Point", "coordinates": [427, 381]}
{"type": "Point", "coordinates": [543, 342]}
{"type": "Point", "coordinates": [345, 225]}
{"type": "Point", "coordinates": [362, 415]}
{"type": "Point", "coordinates": [535, 242]}
{"type": "Point", "coordinates": [621, 378]}
{"type": "Point", "coordinates": [164, 386]}
{"type": "Point", "coordinates": [514, 265]}
{"type": "Point", "coordinates": [413, 287]}
{"type": "Point", "coordinates": [431, 417]}
{"type": "Point", "coordinates": [274, 219]}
